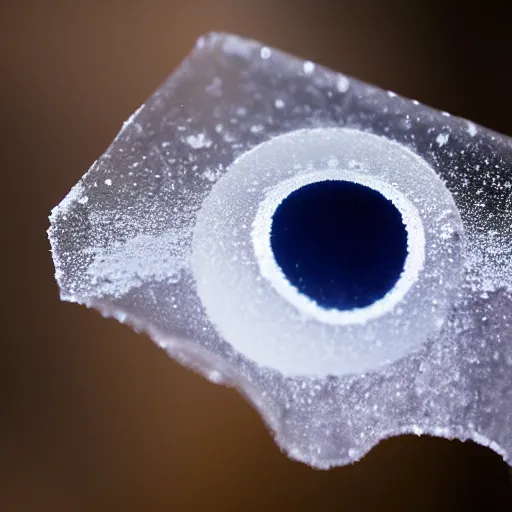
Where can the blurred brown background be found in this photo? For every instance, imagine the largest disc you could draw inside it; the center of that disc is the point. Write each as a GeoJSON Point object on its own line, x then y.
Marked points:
{"type": "Point", "coordinates": [95, 417]}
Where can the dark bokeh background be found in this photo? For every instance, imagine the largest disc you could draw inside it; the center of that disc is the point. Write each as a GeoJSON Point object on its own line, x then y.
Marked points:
{"type": "Point", "coordinates": [95, 417]}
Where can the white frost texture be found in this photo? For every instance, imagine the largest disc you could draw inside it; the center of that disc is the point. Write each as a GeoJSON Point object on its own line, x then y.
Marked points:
{"type": "Point", "coordinates": [169, 232]}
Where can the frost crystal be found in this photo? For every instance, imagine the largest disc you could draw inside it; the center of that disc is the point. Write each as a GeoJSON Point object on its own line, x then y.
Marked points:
{"type": "Point", "coordinates": [169, 231]}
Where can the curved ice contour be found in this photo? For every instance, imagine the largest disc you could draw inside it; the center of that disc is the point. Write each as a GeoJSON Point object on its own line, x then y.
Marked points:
{"type": "Point", "coordinates": [272, 324]}
{"type": "Point", "coordinates": [168, 231]}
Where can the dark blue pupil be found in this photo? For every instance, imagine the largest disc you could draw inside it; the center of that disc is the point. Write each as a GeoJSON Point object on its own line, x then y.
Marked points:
{"type": "Point", "coordinates": [342, 244]}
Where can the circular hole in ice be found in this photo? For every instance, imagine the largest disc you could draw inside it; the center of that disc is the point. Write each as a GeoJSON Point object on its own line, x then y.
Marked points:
{"type": "Point", "coordinates": [340, 243]}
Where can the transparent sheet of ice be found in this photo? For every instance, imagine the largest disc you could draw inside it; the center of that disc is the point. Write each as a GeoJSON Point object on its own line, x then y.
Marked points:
{"type": "Point", "coordinates": [164, 231]}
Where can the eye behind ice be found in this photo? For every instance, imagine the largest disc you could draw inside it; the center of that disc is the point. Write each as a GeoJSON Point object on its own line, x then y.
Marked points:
{"type": "Point", "coordinates": [331, 266]}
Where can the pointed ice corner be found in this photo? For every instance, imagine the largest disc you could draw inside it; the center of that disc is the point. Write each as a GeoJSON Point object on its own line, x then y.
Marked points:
{"type": "Point", "coordinates": [173, 230]}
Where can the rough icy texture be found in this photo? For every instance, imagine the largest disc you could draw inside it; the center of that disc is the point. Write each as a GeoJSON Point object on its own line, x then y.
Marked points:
{"type": "Point", "coordinates": [121, 242]}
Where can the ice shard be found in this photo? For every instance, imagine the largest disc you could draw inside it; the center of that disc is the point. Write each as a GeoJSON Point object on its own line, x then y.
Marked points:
{"type": "Point", "coordinates": [174, 231]}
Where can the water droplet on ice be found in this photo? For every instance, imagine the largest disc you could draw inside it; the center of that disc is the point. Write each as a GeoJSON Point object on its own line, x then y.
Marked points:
{"type": "Point", "coordinates": [471, 129]}
{"type": "Point", "coordinates": [342, 84]}
{"type": "Point", "coordinates": [265, 53]}
{"type": "Point", "coordinates": [308, 67]}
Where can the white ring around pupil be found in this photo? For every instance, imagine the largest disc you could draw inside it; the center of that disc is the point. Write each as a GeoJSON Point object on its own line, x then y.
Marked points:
{"type": "Point", "coordinates": [271, 270]}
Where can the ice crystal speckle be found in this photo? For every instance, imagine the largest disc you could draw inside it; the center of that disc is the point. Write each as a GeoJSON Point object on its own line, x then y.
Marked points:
{"type": "Point", "coordinates": [117, 269]}
{"type": "Point", "coordinates": [75, 195]}
{"type": "Point", "coordinates": [128, 237]}
{"type": "Point", "coordinates": [442, 139]}
{"type": "Point", "coordinates": [199, 141]}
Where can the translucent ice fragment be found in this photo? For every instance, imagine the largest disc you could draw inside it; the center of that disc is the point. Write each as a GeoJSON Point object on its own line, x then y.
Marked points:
{"type": "Point", "coordinates": [340, 254]}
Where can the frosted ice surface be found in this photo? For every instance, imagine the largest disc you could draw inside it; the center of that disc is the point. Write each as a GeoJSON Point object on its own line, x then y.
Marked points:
{"type": "Point", "coordinates": [168, 231]}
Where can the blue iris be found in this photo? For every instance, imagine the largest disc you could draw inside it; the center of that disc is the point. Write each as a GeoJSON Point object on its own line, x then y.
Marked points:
{"type": "Point", "coordinates": [340, 243]}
